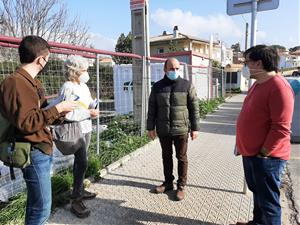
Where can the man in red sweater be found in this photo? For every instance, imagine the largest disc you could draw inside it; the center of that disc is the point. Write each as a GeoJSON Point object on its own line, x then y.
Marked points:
{"type": "Point", "coordinates": [263, 133]}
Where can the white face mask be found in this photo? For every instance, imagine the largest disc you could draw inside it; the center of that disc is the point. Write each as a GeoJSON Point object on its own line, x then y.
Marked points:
{"type": "Point", "coordinates": [253, 74]}
{"type": "Point", "coordinates": [84, 77]}
{"type": "Point", "coordinates": [246, 72]}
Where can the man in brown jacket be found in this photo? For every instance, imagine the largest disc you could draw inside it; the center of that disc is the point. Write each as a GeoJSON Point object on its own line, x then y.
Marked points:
{"type": "Point", "coordinates": [22, 101]}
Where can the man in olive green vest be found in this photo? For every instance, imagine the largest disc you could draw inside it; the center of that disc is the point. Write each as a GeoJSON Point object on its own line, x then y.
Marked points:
{"type": "Point", "coordinates": [173, 114]}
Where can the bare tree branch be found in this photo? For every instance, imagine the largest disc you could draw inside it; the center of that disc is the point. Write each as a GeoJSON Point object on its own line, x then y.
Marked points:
{"type": "Point", "coordinates": [45, 18]}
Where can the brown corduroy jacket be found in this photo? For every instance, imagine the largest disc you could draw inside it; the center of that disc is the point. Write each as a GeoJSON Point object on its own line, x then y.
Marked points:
{"type": "Point", "coordinates": [22, 100]}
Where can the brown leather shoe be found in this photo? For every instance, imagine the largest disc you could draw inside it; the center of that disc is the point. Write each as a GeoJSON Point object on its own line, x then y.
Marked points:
{"type": "Point", "coordinates": [79, 209]}
{"type": "Point", "coordinates": [163, 188]}
{"type": "Point", "coordinates": [180, 194]}
{"type": "Point", "coordinates": [88, 195]}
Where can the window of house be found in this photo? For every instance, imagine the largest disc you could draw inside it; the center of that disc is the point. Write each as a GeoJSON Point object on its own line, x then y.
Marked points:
{"type": "Point", "coordinates": [127, 86]}
{"type": "Point", "coordinates": [231, 76]}
{"type": "Point", "coordinates": [160, 50]}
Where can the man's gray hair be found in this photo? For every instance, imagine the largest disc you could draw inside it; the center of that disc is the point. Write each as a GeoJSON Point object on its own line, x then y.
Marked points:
{"type": "Point", "coordinates": [74, 65]}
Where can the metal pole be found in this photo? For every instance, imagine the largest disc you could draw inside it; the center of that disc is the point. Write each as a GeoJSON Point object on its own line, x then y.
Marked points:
{"type": "Point", "coordinates": [211, 43]}
{"type": "Point", "coordinates": [147, 61]}
{"type": "Point", "coordinates": [143, 97]}
{"type": "Point", "coordinates": [253, 43]}
{"type": "Point", "coordinates": [253, 22]}
{"type": "Point", "coordinates": [185, 72]}
{"type": "Point", "coordinates": [253, 28]}
{"type": "Point", "coordinates": [230, 82]}
{"type": "Point", "coordinates": [98, 98]}
{"type": "Point", "coordinates": [222, 82]}
{"type": "Point", "coordinates": [246, 37]}
{"type": "Point", "coordinates": [222, 66]}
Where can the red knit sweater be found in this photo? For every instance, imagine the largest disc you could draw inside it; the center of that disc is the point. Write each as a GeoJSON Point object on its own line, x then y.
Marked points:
{"type": "Point", "coordinates": [265, 119]}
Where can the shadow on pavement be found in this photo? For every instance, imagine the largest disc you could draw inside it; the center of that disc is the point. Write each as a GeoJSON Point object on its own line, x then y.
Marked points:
{"type": "Point", "coordinates": [122, 215]}
{"type": "Point", "coordinates": [150, 187]}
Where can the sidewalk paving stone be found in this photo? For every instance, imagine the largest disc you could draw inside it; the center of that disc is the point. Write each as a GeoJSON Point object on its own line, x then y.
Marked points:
{"type": "Point", "coordinates": [213, 194]}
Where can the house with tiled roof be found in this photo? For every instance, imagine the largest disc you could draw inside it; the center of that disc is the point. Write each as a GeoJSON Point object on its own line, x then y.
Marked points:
{"type": "Point", "coordinates": [187, 48]}
{"type": "Point", "coordinates": [289, 59]}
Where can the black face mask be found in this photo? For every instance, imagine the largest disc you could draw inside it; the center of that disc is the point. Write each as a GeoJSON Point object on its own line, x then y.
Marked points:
{"type": "Point", "coordinates": [45, 68]}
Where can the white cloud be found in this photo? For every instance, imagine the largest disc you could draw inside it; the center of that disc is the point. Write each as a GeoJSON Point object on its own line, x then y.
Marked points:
{"type": "Point", "coordinates": [197, 25]}
{"type": "Point", "coordinates": [101, 42]}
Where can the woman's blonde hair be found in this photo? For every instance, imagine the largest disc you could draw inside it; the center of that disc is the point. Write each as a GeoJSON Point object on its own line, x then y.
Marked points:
{"type": "Point", "coordinates": [74, 65]}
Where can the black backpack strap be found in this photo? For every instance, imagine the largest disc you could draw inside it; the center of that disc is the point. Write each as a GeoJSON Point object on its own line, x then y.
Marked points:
{"type": "Point", "coordinates": [12, 173]}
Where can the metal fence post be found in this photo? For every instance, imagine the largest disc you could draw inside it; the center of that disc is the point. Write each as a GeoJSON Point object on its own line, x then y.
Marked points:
{"type": "Point", "coordinates": [208, 80]}
{"type": "Point", "coordinates": [143, 116]}
{"type": "Point", "coordinates": [230, 82]}
{"type": "Point", "coordinates": [222, 82]}
{"type": "Point", "coordinates": [185, 72]}
{"type": "Point", "coordinates": [98, 99]}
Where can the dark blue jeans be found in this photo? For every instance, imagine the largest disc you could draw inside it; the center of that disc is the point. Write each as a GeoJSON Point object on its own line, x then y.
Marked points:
{"type": "Point", "coordinates": [263, 177]}
{"type": "Point", "coordinates": [38, 182]}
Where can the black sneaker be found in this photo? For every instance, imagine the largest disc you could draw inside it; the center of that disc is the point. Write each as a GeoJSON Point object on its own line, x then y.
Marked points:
{"type": "Point", "coordinates": [79, 209]}
{"type": "Point", "coordinates": [88, 195]}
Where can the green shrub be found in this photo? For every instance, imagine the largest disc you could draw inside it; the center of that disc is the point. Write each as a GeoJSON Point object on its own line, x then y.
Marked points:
{"type": "Point", "coordinates": [94, 165]}
{"type": "Point", "coordinates": [208, 106]}
{"type": "Point", "coordinates": [14, 211]}
{"type": "Point", "coordinates": [234, 91]}
{"type": "Point", "coordinates": [61, 186]}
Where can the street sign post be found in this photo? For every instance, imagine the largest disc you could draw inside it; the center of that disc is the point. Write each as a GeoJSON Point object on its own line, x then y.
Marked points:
{"type": "Point", "coordinates": [235, 7]}
{"type": "Point", "coordinates": [137, 4]}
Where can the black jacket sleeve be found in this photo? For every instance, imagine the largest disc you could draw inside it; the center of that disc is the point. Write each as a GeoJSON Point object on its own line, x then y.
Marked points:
{"type": "Point", "coordinates": [152, 110]}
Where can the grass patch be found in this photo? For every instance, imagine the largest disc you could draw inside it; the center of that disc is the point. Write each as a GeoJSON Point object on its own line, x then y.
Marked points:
{"type": "Point", "coordinates": [13, 212]}
{"type": "Point", "coordinates": [61, 188]}
{"type": "Point", "coordinates": [209, 106]}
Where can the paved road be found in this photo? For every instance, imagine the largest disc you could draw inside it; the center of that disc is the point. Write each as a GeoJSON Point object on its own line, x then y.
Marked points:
{"type": "Point", "coordinates": [214, 191]}
{"type": "Point", "coordinates": [294, 174]}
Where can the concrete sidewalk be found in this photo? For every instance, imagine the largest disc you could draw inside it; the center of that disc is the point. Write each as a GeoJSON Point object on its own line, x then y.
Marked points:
{"type": "Point", "coordinates": [214, 191]}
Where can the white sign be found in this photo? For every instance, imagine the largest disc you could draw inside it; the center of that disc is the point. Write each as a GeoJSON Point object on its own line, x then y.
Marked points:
{"type": "Point", "coordinates": [137, 4]}
{"type": "Point", "coordinates": [235, 7]}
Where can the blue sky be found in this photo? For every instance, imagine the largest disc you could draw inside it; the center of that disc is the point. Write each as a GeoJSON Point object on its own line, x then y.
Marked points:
{"type": "Point", "coordinates": [108, 19]}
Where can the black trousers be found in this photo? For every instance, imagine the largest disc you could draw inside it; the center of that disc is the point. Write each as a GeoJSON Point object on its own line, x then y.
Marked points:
{"type": "Point", "coordinates": [80, 166]}
{"type": "Point", "coordinates": [180, 143]}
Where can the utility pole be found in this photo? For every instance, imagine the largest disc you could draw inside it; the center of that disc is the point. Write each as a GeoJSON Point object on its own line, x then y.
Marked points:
{"type": "Point", "coordinates": [209, 75]}
{"type": "Point", "coordinates": [246, 37]}
{"type": "Point", "coordinates": [253, 22]}
{"type": "Point", "coordinates": [253, 29]}
{"type": "Point", "coordinates": [140, 67]}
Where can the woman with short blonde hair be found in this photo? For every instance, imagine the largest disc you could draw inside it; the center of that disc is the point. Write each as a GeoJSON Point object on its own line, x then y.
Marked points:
{"type": "Point", "coordinates": [75, 89]}
{"type": "Point", "coordinates": [74, 66]}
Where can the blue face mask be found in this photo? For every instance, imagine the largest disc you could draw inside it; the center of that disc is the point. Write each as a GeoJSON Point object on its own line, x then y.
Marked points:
{"type": "Point", "coordinates": [172, 75]}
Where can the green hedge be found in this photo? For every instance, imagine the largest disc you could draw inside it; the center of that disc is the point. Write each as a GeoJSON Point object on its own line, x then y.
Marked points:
{"type": "Point", "coordinates": [208, 106]}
